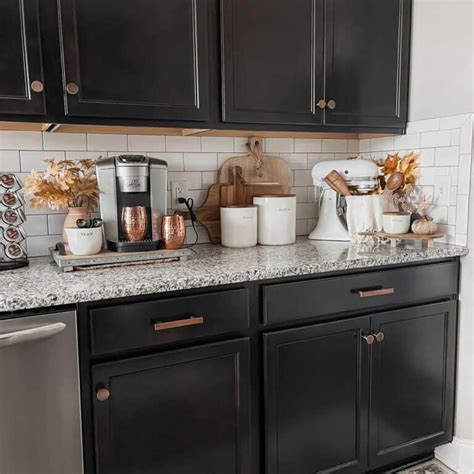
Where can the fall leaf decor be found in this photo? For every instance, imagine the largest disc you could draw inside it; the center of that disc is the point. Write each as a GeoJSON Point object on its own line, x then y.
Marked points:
{"type": "Point", "coordinates": [408, 166]}
{"type": "Point", "coordinates": [64, 184]}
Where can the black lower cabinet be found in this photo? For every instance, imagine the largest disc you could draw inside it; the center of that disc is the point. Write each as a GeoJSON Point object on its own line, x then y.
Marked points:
{"type": "Point", "coordinates": [316, 395]}
{"type": "Point", "coordinates": [360, 394]}
{"type": "Point", "coordinates": [178, 412]}
{"type": "Point", "coordinates": [412, 382]}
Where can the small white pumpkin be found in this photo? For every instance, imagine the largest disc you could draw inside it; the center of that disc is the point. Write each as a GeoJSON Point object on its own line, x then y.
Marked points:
{"type": "Point", "coordinates": [424, 226]}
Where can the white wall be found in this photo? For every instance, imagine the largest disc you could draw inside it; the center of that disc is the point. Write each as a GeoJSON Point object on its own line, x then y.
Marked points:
{"type": "Point", "coordinates": [441, 81]}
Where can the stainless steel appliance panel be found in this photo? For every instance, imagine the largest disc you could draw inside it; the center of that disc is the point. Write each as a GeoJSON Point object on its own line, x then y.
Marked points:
{"type": "Point", "coordinates": [40, 428]}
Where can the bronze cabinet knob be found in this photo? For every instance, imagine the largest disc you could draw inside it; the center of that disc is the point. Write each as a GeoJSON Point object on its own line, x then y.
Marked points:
{"type": "Point", "coordinates": [72, 88]}
{"type": "Point", "coordinates": [321, 103]}
{"type": "Point", "coordinates": [380, 336]}
{"type": "Point", "coordinates": [369, 339]}
{"type": "Point", "coordinates": [102, 394]}
{"type": "Point", "coordinates": [331, 104]}
{"type": "Point", "coordinates": [37, 86]}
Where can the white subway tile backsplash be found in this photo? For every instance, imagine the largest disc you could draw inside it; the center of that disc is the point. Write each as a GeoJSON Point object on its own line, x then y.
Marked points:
{"type": "Point", "coordinates": [423, 126]}
{"type": "Point", "coordinates": [223, 144]}
{"type": "Point", "coordinates": [208, 178]}
{"type": "Point", "coordinates": [308, 145]}
{"type": "Point", "coordinates": [197, 159]}
{"type": "Point", "coordinates": [38, 246]}
{"type": "Point", "coordinates": [184, 144]}
{"type": "Point", "coordinates": [426, 156]}
{"type": "Point", "coordinates": [36, 225]}
{"type": "Point", "coordinates": [455, 137]}
{"type": "Point", "coordinates": [35, 160]}
{"type": "Point", "coordinates": [200, 161]}
{"type": "Point", "coordinates": [56, 223]}
{"type": "Point", "coordinates": [64, 141]}
{"type": "Point", "coordinates": [175, 161]}
{"type": "Point", "coordinates": [9, 160]}
{"type": "Point", "coordinates": [454, 121]}
{"type": "Point", "coordinates": [240, 144]}
{"type": "Point", "coordinates": [465, 174]}
{"type": "Point", "coordinates": [314, 158]}
{"type": "Point", "coordinates": [12, 140]}
{"type": "Point", "coordinates": [296, 161]}
{"type": "Point", "coordinates": [364, 145]}
{"type": "Point", "coordinates": [353, 146]}
{"type": "Point", "coordinates": [104, 142]}
{"type": "Point", "coordinates": [302, 178]}
{"type": "Point", "coordinates": [279, 145]}
{"type": "Point", "coordinates": [192, 178]}
{"type": "Point", "coordinates": [301, 227]}
{"type": "Point", "coordinates": [447, 156]}
{"type": "Point", "coordinates": [462, 214]}
{"type": "Point", "coordinates": [334, 146]}
{"type": "Point", "coordinates": [306, 211]}
{"type": "Point", "coordinates": [381, 144]}
{"type": "Point", "coordinates": [436, 139]}
{"type": "Point", "coordinates": [407, 142]}
{"type": "Point", "coordinates": [146, 142]}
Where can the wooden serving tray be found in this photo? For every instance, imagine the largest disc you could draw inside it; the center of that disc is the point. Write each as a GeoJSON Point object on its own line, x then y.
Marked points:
{"type": "Point", "coordinates": [429, 239]}
{"type": "Point", "coordinates": [106, 258]}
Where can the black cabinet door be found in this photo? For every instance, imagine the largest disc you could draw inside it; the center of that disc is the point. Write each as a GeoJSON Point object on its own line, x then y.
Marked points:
{"type": "Point", "coordinates": [179, 412]}
{"type": "Point", "coordinates": [367, 47]}
{"type": "Point", "coordinates": [272, 61]}
{"type": "Point", "coordinates": [21, 70]}
{"type": "Point", "coordinates": [316, 392]}
{"type": "Point", "coordinates": [135, 59]}
{"type": "Point", "coordinates": [412, 382]}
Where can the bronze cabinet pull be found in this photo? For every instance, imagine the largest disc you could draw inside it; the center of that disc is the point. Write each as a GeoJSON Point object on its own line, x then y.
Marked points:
{"type": "Point", "coordinates": [192, 321]}
{"type": "Point", "coordinates": [369, 339]}
{"type": "Point", "coordinates": [378, 292]}
{"type": "Point", "coordinates": [321, 103]}
{"type": "Point", "coordinates": [37, 86]}
{"type": "Point", "coordinates": [102, 394]}
{"type": "Point", "coordinates": [72, 88]}
{"type": "Point", "coordinates": [331, 104]}
{"type": "Point", "coordinates": [380, 336]}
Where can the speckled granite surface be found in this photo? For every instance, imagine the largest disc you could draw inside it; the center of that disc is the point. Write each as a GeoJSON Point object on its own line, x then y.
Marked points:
{"type": "Point", "coordinates": [43, 285]}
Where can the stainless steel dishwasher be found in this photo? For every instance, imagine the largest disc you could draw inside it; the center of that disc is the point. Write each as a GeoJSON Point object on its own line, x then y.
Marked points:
{"type": "Point", "coordinates": [40, 415]}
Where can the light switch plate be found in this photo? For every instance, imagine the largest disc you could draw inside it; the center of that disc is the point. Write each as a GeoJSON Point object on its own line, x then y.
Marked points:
{"type": "Point", "coordinates": [442, 190]}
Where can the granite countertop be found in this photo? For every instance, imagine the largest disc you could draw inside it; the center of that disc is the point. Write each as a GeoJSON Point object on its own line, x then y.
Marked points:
{"type": "Point", "coordinates": [43, 285]}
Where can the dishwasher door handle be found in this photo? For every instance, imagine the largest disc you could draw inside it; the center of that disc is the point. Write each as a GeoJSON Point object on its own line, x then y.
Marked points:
{"type": "Point", "coordinates": [33, 334]}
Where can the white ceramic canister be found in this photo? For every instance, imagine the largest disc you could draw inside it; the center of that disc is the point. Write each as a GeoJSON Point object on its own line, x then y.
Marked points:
{"type": "Point", "coordinates": [276, 219]}
{"type": "Point", "coordinates": [239, 226]}
{"type": "Point", "coordinates": [84, 241]}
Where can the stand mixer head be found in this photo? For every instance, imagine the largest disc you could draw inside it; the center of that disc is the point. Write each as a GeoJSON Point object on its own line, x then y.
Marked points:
{"type": "Point", "coordinates": [361, 177]}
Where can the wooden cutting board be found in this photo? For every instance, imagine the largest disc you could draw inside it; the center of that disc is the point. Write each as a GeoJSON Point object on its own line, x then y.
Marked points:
{"type": "Point", "coordinates": [257, 168]}
{"type": "Point", "coordinates": [239, 179]}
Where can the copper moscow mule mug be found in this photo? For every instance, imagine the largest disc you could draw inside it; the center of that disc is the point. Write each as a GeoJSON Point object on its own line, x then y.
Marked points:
{"type": "Point", "coordinates": [173, 232]}
{"type": "Point", "coordinates": [134, 223]}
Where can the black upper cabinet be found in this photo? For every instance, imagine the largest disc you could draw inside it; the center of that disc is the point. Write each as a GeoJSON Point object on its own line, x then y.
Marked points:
{"type": "Point", "coordinates": [366, 61]}
{"type": "Point", "coordinates": [271, 61]}
{"type": "Point", "coordinates": [412, 382]}
{"type": "Point", "coordinates": [21, 70]}
{"type": "Point", "coordinates": [142, 59]}
{"type": "Point", "coordinates": [316, 394]}
{"type": "Point", "coordinates": [185, 411]}
{"type": "Point", "coordinates": [336, 63]}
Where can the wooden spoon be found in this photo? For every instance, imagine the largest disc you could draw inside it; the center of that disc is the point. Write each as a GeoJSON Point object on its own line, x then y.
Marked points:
{"type": "Point", "coordinates": [337, 183]}
{"type": "Point", "coordinates": [395, 182]}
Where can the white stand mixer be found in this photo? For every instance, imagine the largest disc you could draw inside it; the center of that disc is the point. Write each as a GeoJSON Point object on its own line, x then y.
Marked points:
{"type": "Point", "coordinates": [360, 176]}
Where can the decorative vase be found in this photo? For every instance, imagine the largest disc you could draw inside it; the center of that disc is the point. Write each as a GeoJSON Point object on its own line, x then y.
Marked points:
{"type": "Point", "coordinates": [74, 214]}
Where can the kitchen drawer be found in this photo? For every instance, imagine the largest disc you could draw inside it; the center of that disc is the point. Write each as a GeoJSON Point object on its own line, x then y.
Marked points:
{"type": "Point", "coordinates": [325, 296]}
{"type": "Point", "coordinates": [163, 321]}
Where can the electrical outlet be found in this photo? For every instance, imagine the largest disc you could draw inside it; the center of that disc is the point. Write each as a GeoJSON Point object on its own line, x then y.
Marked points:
{"type": "Point", "coordinates": [179, 189]}
{"type": "Point", "coordinates": [442, 190]}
